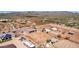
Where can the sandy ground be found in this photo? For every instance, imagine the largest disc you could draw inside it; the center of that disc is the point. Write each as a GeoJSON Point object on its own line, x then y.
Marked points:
{"type": "Point", "coordinates": [65, 44]}
{"type": "Point", "coordinates": [39, 36]}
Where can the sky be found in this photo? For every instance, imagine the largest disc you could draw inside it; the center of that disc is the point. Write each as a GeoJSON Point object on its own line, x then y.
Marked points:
{"type": "Point", "coordinates": [39, 5]}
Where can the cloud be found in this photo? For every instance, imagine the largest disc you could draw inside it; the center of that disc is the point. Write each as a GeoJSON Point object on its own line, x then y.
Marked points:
{"type": "Point", "coordinates": [39, 5]}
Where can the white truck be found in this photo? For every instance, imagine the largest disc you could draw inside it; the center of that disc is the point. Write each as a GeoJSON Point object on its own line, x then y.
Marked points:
{"type": "Point", "coordinates": [27, 42]}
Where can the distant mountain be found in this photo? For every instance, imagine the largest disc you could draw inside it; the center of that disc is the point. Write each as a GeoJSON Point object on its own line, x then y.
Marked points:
{"type": "Point", "coordinates": [5, 11]}
{"type": "Point", "coordinates": [41, 13]}
{"type": "Point", "coordinates": [34, 13]}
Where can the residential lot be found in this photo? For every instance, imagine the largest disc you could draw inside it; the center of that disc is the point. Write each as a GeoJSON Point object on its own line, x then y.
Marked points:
{"type": "Point", "coordinates": [45, 36]}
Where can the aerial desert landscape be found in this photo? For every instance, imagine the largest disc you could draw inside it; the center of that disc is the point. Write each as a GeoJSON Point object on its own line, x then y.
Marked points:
{"type": "Point", "coordinates": [39, 29]}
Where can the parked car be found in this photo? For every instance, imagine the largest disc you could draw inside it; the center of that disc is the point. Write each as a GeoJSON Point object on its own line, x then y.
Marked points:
{"type": "Point", "coordinates": [6, 36]}
{"type": "Point", "coordinates": [71, 33]}
{"type": "Point", "coordinates": [32, 31]}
